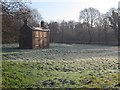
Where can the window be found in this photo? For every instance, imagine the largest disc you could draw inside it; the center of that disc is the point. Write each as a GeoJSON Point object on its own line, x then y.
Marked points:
{"type": "Point", "coordinates": [36, 42]}
{"type": "Point", "coordinates": [37, 34]}
{"type": "Point", "coordinates": [45, 34]}
{"type": "Point", "coordinates": [40, 34]}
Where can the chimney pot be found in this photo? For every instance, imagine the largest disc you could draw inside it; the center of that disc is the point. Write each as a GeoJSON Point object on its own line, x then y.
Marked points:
{"type": "Point", "coordinates": [42, 24]}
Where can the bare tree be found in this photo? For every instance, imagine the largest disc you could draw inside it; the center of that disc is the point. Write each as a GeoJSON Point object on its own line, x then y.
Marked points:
{"type": "Point", "coordinates": [119, 25]}
{"type": "Point", "coordinates": [89, 16]}
{"type": "Point", "coordinates": [9, 23]}
{"type": "Point", "coordinates": [54, 31]}
{"type": "Point", "coordinates": [36, 17]}
{"type": "Point", "coordinates": [63, 28]}
{"type": "Point", "coordinates": [13, 15]}
{"type": "Point", "coordinates": [105, 25]}
{"type": "Point", "coordinates": [10, 6]}
{"type": "Point", "coordinates": [114, 22]}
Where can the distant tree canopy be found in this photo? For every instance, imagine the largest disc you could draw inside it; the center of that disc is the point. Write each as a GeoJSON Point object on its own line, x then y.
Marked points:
{"type": "Point", "coordinates": [10, 7]}
{"type": "Point", "coordinates": [93, 27]}
{"type": "Point", "coordinates": [90, 16]}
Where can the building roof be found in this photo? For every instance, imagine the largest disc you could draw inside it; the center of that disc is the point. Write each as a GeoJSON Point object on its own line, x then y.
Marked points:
{"type": "Point", "coordinates": [34, 28]}
{"type": "Point", "coordinates": [39, 29]}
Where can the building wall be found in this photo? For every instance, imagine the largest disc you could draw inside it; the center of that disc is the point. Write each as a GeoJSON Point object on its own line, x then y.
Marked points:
{"type": "Point", "coordinates": [40, 39]}
{"type": "Point", "coordinates": [25, 38]}
{"type": "Point", "coordinates": [29, 38]}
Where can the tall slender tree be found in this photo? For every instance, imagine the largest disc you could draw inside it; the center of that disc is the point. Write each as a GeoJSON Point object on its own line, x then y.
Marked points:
{"type": "Point", "coordinates": [90, 16]}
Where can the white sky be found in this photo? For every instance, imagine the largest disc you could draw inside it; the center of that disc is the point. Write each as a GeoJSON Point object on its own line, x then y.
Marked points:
{"type": "Point", "coordinates": [52, 10]}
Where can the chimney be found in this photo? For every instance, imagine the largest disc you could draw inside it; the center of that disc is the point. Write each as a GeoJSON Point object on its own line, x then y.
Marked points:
{"type": "Point", "coordinates": [42, 24]}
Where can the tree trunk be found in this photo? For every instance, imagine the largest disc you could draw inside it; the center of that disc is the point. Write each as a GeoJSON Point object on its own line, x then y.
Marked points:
{"type": "Point", "coordinates": [118, 30]}
{"type": "Point", "coordinates": [98, 38]}
{"type": "Point", "coordinates": [106, 34]}
{"type": "Point", "coordinates": [90, 36]}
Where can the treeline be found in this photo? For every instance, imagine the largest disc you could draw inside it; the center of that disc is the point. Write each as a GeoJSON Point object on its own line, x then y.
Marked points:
{"type": "Point", "coordinates": [75, 32]}
{"type": "Point", "coordinates": [93, 27]}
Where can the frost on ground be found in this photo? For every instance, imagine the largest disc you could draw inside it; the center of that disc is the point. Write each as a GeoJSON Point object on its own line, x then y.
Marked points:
{"type": "Point", "coordinates": [59, 52]}
{"type": "Point", "coordinates": [61, 65]}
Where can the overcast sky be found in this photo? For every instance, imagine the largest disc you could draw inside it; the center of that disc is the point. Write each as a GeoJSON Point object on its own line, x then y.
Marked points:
{"type": "Point", "coordinates": [53, 10]}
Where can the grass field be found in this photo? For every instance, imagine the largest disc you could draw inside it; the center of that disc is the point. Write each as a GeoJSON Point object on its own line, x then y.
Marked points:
{"type": "Point", "coordinates": [60, 66]}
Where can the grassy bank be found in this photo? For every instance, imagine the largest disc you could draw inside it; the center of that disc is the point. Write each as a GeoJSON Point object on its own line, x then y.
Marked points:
{"type": "Point", "coordinates": [60, 66]}
{"type": "Point", "coordinates": [62, 74]}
